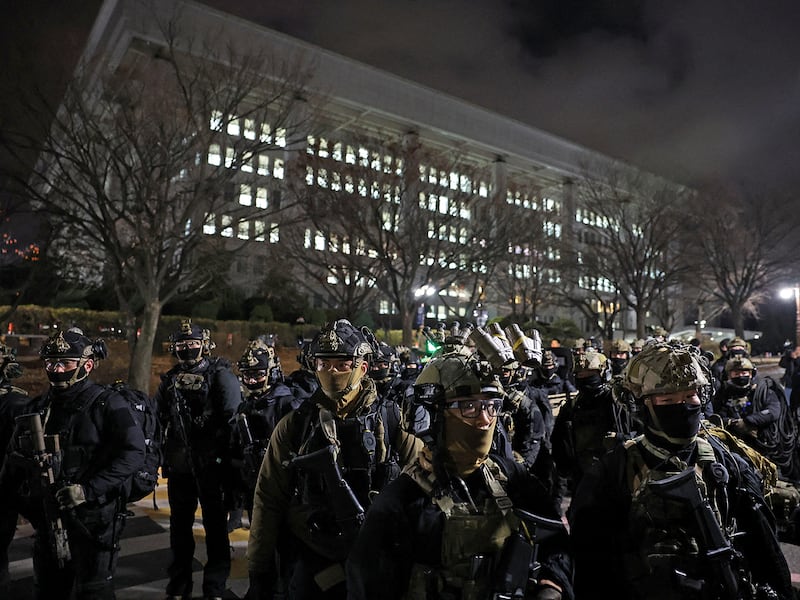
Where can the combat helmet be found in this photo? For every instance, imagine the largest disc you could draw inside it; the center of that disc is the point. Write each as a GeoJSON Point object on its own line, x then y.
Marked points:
{"type": "Point", "coordinates": [454, 376]}
{"type": "Point", "coordinates": [591, 360]}
{"type": "Point", "coordinates": [71, 344]}
{"type": "Point", "coordinates": [740, 383]}
{"type": "Point", "coordinates": [664, 368]}
{"type": "Point", "coordinates": [190, 331]}
{"type": "Point", "coordinates": [340, 339]}
{"type": "Point", "coordinates": [260, 356]}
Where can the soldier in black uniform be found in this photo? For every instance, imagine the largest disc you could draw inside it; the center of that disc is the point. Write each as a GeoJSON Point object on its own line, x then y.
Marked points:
{"type": "Point", "coordinates": [197, 400]}
{"type": "Point", "coordinates": [101, 447]}
{"type": "Point", "coordinates": [671, 514]}
{"type": "Point", "coordinates": [14, 401]}
{"type": "Point", "coordinates": [266, 401]}
{"type": "Point", "coordinates": [323, 465]}
{"type": "Point", "coordinates": [439, 531]}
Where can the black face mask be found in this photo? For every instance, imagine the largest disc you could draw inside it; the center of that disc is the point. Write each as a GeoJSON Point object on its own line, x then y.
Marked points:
{"type": "Point", "coordinates": [189, 354]}
{"type": "Point", "coordinates": [589, 384]}
{"type": "Point", "coordinates": [678, 421]}
{"type": "Point", "coordinates": [617, 364]}
{"type": "Point", "coordinates": [742, 382]}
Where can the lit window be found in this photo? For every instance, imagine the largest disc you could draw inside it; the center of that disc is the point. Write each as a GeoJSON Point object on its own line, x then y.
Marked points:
{"type": "Point", "coordinates": [376, 161]}
{"type": "Point", "coordinates": [233, 126]}
{"type": "Point", "coordinates": [350, 156]}
{"type": "Point", "coordinates": [244, 230]}
{"type": "Point", "coordinates": [362, 188]}
{"type": "Point", "coordinates": [209, 225]}
{"type": "Point", "coordinates": [311, 142]}
{"type": "Point", "coordinates": [266, 133]}
{"type": "Point", "coordinates": [443, 204]}
{"type": "Point", "coordinates": [336, 182]}
{"type": "Point", "coordinates": [247, 164]}
{"type": "Point", "coordinates": [332, 280]}
{"type": "Point", "coordinates": [226, 226]}
{"type": "Point", "coordinates": [229, 156]}
{"type": "Point", "coordinates": [263, 164]}
{"type": "Point", "coordinates": [215, 123]}
{"type": "Point", "coordinates": [337, 151]}
{"type": "Point", "coordinates": [214, 155]}
{"type": "Point", "coordinates": [277, 168]}
{"type": "Point", "coordinates": [307, 239]}
{"type": "Point", "coordinates": [322, 178]}
{"type": "Point", "coordinates": [245, 195]}
{"type": "Point", "coordinates": [387, 164]}
{"type": "Point", "coordinates": [261, 197]}
{"type": "Point", "coordinates": [453, 181]}
{"type": "Point", "coordinates": [323, 148]}
{"type": "Point", "coordinates": [309, 175]}
{"type": "Point", "coordinates": [363, 157]}
{"type": "Point", "coordinates": [465, 185]}
{"type": "Point", "coordinates": [259, 229]}
{"type": "Point", "coordinates": [250, 129]}
{"type": "Point", "coordinates": [483, 189]}
{"type": "Point", "coordinates": [274, 233]}
{"type": "Point", "coordinates": [349, 187]}
{"type": "Point", "coordinates": [280, 137]}
{"type": "Point", "coordinates": [319, 241]}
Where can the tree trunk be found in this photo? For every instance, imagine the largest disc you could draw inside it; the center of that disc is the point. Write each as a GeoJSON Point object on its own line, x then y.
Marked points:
{"type": "Point", "coordinates": [139, 371]}
{"type": "Point", "coordinates": [738, 321]}
{"type": "Point", "coordinates": [640, 323]}
{"type": "Point", "coordinates": [408, 314]}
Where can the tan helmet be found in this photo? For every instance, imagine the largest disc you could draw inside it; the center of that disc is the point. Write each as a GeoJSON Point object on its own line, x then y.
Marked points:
{"type": "Point", "coordinates": [591, 360]}
{"type": "Point", "coordinates": [620, 345]}
{"type": "Point", "coordinates": [663, 368]}
{"type": "Point", "coordinates": [739, 363]}
{"type": "Point", "coordinates": [455, 376]}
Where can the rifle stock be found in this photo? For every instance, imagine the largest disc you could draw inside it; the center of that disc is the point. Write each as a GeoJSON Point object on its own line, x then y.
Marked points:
{"type": "Point", "coordinates": [46, 480]}
{"type": "Point", "coordinates": [682, 487]}
{"type": "Point", "coordinates": [346, 507]}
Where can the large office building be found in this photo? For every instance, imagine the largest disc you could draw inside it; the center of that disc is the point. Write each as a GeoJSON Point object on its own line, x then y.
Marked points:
{"type": "Point", "coordinates": [356, 143]}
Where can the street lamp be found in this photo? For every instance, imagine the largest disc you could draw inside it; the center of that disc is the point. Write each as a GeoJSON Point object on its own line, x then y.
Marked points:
{"type": "Point", "coordinates": [787, 293]}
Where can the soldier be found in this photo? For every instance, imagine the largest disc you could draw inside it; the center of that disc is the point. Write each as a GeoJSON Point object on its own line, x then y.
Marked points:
{"type": "Point", "coordinates": [755, 410]}
{"type": "Point", "coordinates": [589, 425]}
{"type": "Point", "coordinates": [324, 463]}
{"type": "Point", "coordinates": [619, 356]}
{"type": "Point", "coordinates": [669, 514]}
{"type": "Point", "coordinates": [197, 400]}
{"type": "Point", "coordinates": [73, 491]}
{"type": "Point", "coordinates": [266, 401]}
{"type": "Point", "coordinates": [440, 529]}
{"type": "Point", "coordinates": [14, 401]}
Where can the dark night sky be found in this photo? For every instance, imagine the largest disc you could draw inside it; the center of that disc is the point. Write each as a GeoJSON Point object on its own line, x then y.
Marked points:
{"type": "Point", "coordinates": [696, 90]}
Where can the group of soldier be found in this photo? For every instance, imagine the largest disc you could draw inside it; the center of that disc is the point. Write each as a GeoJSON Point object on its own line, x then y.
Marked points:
{"type": "Point", "coordinates": [496, 469]}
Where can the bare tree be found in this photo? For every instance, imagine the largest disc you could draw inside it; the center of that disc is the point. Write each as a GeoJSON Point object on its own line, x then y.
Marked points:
{"type": "Point", "coordinates": [744, 243]}
{"type": "Point", "coordinates": [631, 239]}
{"type": "Point", "coordinates": [140, 167]}
{"type": "Point", "coordinates": [528, 278]}
{"type": "Point", "coordinates": [387, 214]}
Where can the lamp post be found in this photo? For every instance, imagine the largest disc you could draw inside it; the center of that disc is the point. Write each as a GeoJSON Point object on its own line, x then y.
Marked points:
{"type": "Point", "coordinates": [787, 293]}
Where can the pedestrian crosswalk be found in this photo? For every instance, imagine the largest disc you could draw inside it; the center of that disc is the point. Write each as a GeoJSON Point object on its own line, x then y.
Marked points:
{"type": "Point", "coordinates": [144, 556]}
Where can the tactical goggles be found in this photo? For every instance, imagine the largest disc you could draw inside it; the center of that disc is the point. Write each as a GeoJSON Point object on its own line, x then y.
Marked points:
{"type": "Point", "coordinates": [471, 409]}
{"type": "Point", "coordinates": [256, 374]}
{"type": "Point", "coordinates": [67, 364]}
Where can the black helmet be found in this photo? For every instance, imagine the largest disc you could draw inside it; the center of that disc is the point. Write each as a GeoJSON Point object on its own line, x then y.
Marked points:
{"type": "Point", "coordinates": [71, 345]}
{"type": "Point", "coordinates": [190, 331]}
{"type": "Point", "coordinates": [340, 339]}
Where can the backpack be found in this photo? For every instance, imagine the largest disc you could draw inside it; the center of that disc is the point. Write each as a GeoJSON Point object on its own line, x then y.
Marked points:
{"type": "Point", "coordinates": [145, 413]}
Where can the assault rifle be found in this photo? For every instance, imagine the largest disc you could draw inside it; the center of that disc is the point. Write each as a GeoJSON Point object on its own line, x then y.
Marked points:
{"type": "Point", "coordinates": [346, 508]}
{"type": "Point", "coordinates": [682, 487]}
{"type": "Point", "coordinates": [178, 411]}
{"type": "Point", "coordinates": [518, 561]}
{"type": "Point", "coordinates": [252, 456]}
{"type": "Point", "coordinates": [45, 450]}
